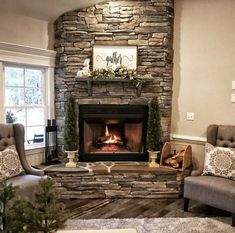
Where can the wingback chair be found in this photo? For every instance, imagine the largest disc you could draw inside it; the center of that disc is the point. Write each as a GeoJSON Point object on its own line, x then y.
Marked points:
{"type": "Point", "coordinates": [215, 191]}
{"type": "Point", "coordinates": [13, 134]}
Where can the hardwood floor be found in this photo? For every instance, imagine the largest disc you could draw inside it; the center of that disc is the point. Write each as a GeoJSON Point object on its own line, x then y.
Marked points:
{"type": "Point", "coordinates": [138, 208]}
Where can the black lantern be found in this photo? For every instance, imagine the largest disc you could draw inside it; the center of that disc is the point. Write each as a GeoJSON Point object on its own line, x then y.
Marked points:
{"type": "Point", "coordinates": [51, 142]}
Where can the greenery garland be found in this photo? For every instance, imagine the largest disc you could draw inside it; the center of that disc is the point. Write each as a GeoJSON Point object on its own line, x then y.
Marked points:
{"type": "Point", "coordinates": [120, 72]}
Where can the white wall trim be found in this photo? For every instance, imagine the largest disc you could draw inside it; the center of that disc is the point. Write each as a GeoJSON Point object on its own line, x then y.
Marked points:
{"type": "Point", "coordinates": [2, 116]}
{"type": "Point", "coordinates": [51, 93]}
{"type": "Point", "coordinates": [25, 54]}
{"type": "Point", "coordinates": [188, 138]}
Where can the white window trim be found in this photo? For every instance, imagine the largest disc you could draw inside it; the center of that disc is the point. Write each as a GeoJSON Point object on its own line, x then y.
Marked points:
{"type": "Point", "coordinates": [24, 55]}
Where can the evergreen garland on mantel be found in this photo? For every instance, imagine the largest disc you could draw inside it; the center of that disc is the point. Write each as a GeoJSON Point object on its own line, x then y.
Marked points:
{"type": "Point", "coordinates": [121, 72]}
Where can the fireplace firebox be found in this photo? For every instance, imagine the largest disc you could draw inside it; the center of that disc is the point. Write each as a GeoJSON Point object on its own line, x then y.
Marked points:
{"type": "Point", "coordinates": [112, 132]}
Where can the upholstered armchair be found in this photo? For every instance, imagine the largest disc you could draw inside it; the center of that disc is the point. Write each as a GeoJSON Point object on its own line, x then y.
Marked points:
{"type": "Point", "coordinates": [13, 134]}
{"type": "Point", "coordinates": [215, 190]}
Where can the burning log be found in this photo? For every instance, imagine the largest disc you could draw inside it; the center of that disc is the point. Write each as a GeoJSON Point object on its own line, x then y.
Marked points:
{"type": "Point", "coordinates": [109, 140]}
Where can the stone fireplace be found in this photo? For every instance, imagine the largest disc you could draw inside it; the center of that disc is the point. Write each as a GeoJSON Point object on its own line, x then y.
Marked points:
{"type": "Point", "coordinates": [112, 132]}
{"type": "Point", "coordinates": [148, 24]}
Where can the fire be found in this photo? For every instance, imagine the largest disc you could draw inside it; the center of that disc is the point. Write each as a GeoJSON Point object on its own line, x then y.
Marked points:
{"type": "Point", "coordinates": [112, 138]}
{"type": "Point", "coordinates": [106, 131]}
{"type": "Point", "coordinates": [110, 141]}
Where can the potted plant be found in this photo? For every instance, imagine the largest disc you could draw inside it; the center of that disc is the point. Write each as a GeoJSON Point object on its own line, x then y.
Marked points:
{"type": "Point", "coordinates": [10, 117]}
{"type": "Point", "coordinates": [70, 132]}
{"type": "Point", "coordinates": [154, 132]}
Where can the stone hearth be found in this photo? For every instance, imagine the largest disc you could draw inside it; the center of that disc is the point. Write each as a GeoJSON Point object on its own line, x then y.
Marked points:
{"type": "Point", "coordinates": [117, 180]}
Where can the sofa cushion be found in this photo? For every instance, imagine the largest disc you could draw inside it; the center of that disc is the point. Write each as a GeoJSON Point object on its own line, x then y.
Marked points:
{"type": "Point", "coordinates": [219, 161]}
{"type": "Point", "coordinates": [211, 190]}
{"type": "Point", "coordinates": [10, 164]}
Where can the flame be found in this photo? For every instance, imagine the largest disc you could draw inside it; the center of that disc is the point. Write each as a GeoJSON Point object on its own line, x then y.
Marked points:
{"type": "Point", "coordinates": [112, 138]}
{"type": "Point", "coordinates": [106, 131]}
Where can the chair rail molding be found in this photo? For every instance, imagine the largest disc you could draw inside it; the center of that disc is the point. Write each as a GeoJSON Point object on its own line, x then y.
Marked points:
{"type": "Point", "coordinates": [25, 54]}
{"type": "Point", "coordinates": [188, 138]}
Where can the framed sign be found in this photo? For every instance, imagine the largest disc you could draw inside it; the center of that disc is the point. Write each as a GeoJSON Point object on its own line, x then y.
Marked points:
{"type": "Point", "coordinates": [114, 56]}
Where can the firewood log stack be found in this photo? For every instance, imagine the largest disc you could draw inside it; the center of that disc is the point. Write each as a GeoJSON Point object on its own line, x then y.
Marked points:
{"type": "Point", "coordinates": [175, 160]}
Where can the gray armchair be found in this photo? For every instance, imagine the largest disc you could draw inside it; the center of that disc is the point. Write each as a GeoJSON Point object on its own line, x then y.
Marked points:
{"type": "Point", "coordinates": [215, 191]}
{"type": "Point", "coordinates": [14, 134]}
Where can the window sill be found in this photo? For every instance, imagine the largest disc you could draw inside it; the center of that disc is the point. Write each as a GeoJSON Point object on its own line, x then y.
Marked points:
{"type": "Point", "coordinates": [34, 148]}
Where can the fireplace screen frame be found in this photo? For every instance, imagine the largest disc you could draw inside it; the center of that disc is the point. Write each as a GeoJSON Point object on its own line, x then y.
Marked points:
{"type": "Point", "coordinates": [89, 112]}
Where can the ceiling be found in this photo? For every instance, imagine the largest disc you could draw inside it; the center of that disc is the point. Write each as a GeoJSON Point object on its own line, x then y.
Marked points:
{"type": "Point", "coordinates": [48, 10]}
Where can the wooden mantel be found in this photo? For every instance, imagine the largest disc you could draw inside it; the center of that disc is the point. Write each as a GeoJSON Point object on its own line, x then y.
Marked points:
{"type": "Point", "coordinates": [90, 82]}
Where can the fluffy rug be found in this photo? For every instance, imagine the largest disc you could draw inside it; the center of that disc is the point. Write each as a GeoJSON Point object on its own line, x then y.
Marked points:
{"type": "Point", "coordinates": [157, 225]}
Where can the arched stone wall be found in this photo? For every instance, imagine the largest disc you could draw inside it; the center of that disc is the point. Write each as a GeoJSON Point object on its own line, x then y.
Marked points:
{"type": "Point", "coordinates": [145, 23]}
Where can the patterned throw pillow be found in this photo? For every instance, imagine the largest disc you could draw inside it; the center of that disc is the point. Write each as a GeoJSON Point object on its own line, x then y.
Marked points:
{"type": "Point", "coordinates": [10, 164]}
{"type": "Point", "coordinates": [219, 161]}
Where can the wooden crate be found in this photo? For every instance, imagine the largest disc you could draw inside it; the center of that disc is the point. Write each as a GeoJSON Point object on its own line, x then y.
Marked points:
{"type": "Point", "coordinates": [171, 148]}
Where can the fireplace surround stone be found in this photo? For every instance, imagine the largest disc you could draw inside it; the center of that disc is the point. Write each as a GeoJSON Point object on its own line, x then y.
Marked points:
{"type": "Point", "coordinates": [147, 24]}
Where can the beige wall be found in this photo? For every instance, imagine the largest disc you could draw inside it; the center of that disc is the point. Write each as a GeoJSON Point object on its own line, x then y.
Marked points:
{"type": "Point", "coordinates": [22, 30]}
{"type": "Point", "coordinates": [204, 65]}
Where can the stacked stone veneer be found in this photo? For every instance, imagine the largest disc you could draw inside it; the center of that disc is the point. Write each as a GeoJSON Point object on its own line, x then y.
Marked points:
{"type": "Point", "coordinates": [127, 181]}
{"type": "Point", "coordinates": [145, 23]}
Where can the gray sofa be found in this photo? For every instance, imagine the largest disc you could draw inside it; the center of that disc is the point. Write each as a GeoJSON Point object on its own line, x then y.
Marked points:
{"type": "Point", "coordinates": [14, 134]}
{"type": "Point", "coordinates": [215, 191]}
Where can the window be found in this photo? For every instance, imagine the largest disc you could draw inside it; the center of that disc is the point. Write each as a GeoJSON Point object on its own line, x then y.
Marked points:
{"type": "Point", "coordinates": [25, 99]}
{"type": "Point", "coordinates": [27, 89]}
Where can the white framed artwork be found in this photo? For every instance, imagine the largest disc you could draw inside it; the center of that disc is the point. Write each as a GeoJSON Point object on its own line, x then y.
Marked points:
{"type": "Point", "coordinates": [114, 55]}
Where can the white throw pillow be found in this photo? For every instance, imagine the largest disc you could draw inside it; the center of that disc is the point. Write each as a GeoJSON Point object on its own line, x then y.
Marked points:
{"type": "Point", "coordinates": [219, 161]}
{"type": "Point", "coordinates": [10, 164]}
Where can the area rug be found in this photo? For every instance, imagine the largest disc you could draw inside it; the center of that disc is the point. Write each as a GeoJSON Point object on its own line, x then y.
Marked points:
{"type": "Point", "coordinates": [157, 225]}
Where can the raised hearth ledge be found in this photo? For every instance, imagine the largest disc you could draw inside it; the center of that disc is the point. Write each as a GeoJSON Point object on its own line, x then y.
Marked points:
{"type": "Point", "coordinates": [116, 180]}
{"type": "Point", "coordinates": [110, 167]}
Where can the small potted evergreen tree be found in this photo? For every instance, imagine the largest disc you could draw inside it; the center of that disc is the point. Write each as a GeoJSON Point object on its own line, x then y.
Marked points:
{"type": "Point", "coordinates": [70, 132]}
{"type": "Point", "coordinates": [154, 132]}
